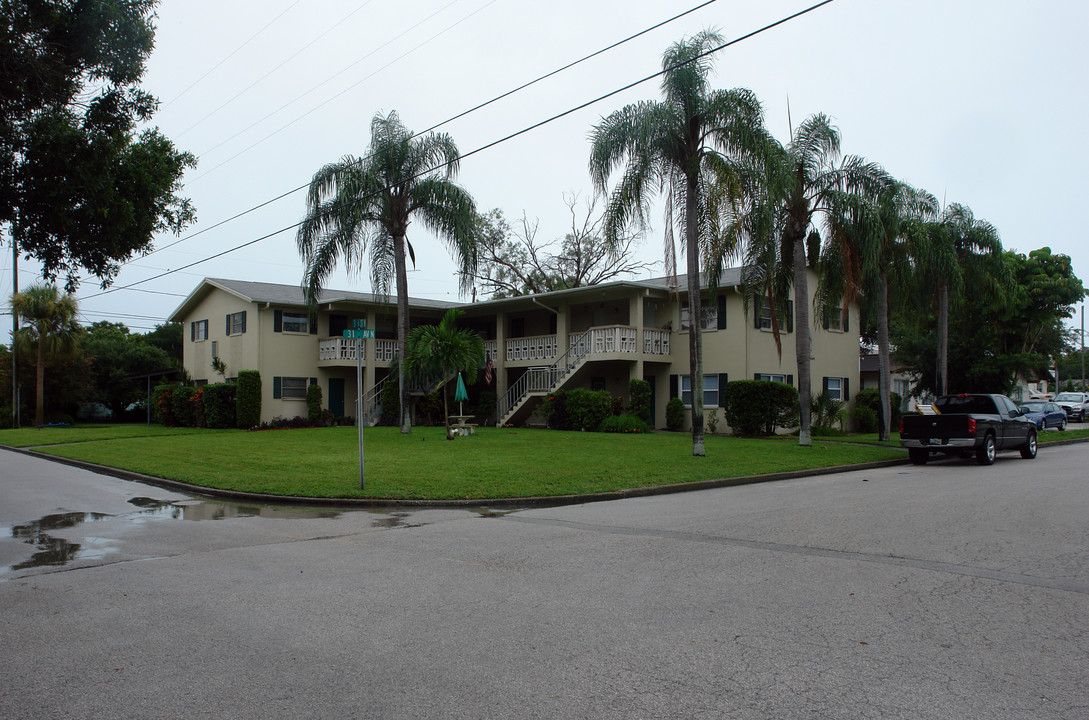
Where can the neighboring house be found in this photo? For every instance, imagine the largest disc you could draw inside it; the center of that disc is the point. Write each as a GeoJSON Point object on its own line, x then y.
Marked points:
{"type": "Point", "coordinates": [901, 380]}
{"type": "Point", "coordinates": [598, 337]}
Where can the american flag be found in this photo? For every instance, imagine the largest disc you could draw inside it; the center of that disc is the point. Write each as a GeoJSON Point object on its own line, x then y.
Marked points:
{"type": "Point", "coordinates": [488, 372]}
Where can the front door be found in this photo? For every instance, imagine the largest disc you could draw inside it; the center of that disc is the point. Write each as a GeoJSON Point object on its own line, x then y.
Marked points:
{"type": "Point", "coordinates": [336, 396]}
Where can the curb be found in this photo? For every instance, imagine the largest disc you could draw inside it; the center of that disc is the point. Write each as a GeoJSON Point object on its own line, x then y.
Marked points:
{"type": "Point", "coordinates": [514, 503]}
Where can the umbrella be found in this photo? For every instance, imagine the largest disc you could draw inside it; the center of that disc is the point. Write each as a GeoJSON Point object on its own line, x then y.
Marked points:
{"type": "Point", "coordinates": [460, 395]}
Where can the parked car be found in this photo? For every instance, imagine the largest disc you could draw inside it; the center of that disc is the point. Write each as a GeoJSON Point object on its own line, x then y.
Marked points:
{"type": "Point", "coordinates": [1076, 404]}
{"type": "Point", "coordinates": [964, 423]}
{"type": "Point", "coordinates": [1045, 414]}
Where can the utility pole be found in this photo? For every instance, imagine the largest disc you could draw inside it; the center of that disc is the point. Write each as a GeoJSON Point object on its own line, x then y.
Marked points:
{"type": "Point", "coordinates": [14, 328]}
{"type": "Point", "coordinates": [1083, 347]}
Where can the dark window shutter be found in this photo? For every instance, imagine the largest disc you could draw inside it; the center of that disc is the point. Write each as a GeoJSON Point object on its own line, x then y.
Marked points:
{"type": "Point", "coordinates": [790, 380]}
{"type": "Point", "coordinates": [243, 321]}
{"type": "Point", "coordinates": [228, 332]}
{"type": "Point", "coordinates": [313, 325]}
{"type": "Point", "coordinates": [313, 381]}
{"type": "Point", "coordinates": [721, 312]}
{"type": "Point", "coordinates": [756, 315]}
{"type": "Point", "coordinates": [276, 385]}
{"type": "Point", "coordinates": [847, 321]}
{"type": "Point", "coordinates": [824, 385]}
{"type": "Point", "coordinates": [790, 316]}
{"type": "Point", "coordinates": [756, 376]}
{"type": "Point", "coordinates": [277, 321]}
{"type": "Point", "coordinates": [192, 332]}
{"type": "Point", "coordinates": [723, 378]}
{"type": "Point", "coordinates": [826, 322]}
{"type": "Point", "coordinates": [674, 386]}
{"type": "Point", "coordinates": [846, 389]}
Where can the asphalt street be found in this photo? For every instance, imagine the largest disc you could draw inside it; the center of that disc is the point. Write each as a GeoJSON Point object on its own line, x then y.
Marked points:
{"type": "Point", "coordinates": [944, 591]}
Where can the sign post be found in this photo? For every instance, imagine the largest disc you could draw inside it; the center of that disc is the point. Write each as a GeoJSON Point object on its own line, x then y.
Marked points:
{"type": "Point", "coordinates": [358, 334]}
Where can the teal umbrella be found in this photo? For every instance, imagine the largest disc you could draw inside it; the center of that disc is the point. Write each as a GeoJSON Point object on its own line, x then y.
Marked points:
{"type": "Point", "coordinates": [460, 395]}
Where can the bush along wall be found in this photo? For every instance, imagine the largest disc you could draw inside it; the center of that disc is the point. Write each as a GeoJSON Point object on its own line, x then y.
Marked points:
{"type": "Point", "coordinates": [639, 399]}
{"type": "Point", "coordinates": [186, 404]}
{"type": "Point", "coordinates": [313, 404]}
{"type": "Point", "coordinates": [675, 414]}
{"type": "Point", "coordinates": [248, 399]}
{"type": "Point", "coordinates": [163, 399]}
{"type": "Point", "coordinates": [219, 405]}
{"type": "Point", "coordinates": [758, 407]}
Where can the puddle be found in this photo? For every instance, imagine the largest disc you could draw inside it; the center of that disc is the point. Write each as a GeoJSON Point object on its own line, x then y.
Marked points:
{"type": "Point", "coordinates": [394, 520]}
{"type": "Point", "coordinates": [56, 551]}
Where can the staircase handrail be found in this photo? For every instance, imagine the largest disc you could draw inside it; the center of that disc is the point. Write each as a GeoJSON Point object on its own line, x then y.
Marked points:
{"type": "Point", "coordinates": [552, 374]}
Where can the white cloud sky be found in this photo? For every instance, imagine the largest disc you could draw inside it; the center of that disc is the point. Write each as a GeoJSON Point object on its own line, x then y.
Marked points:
{"type": "Point", "coordinates": [978, 102]}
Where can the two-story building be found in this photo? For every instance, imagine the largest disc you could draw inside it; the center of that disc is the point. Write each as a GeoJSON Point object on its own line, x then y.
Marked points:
{"type": "Point", "coordinates": [598, 337]}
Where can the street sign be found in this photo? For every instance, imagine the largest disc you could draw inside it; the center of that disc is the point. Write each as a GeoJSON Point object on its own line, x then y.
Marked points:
{"type": "Point", "coordinates": [359, 324]}
{"type": "Point", "coordinates": [359, 334]}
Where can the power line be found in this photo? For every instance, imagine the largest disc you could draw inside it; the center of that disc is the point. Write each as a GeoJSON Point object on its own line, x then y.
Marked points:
{"type": "Point", "coordinates": [511, 136]}
{"type": "Point", "coordinates": [460, 115]}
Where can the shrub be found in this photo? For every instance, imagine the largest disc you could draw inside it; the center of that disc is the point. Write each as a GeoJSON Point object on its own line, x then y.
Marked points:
{"type": "Point", "coordinates": [639, 399]}
{"type": "Point", "coordinates": [485, 405]}
{"type": "Point", "coordinates": [163, 398]}
{"type": "Point", "coordinates": [623, 424]}
{"type": "Point", "coordinates": [185, 402]}
{"type": "Point", "coordinates": [712, 421]}
{"type": "Point", "coordinates": [391, 403]}
{"type": "Point", "coordinates": [248, 399]}
{"type": "Point", "coordinates": [313, 403]}
{"type": "Point", "coordinates": [827, 411]}
{"type": "Point", "coordinates": [870, 398]}
{"type": "Point", "coordinates": [587, 408]}
{"type": "Point", "coordinates": [219, 405]}
{"type": "Point", "coordinates": [554, 410]}
{"type": "Point", "coordinates": [863, 419]}
{"type": "Point", "coordinates": [675, 414]}
{"type": "Point", "coordinates": [758, 407]}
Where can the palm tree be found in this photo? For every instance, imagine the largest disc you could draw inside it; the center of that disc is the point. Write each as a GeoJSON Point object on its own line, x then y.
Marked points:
{"type": "Point", "coordinates": [964, 252]}
{"type": "Point", "coordinates": [805, 178]}
{"type": "Point", "coordinates": [444, 350]}
{"type": "Point", "coordinates": [667, 148]}
{"type": "Point", "coordinates": [361, 205]}
{"type": "Point", "coordinates": [50, 328]}
{"type": "Point", "coordinates": [873, 242]}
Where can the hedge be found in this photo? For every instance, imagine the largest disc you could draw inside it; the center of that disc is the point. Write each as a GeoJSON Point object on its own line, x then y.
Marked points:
{"type": "Point", "coordinates": [248, 399]}
{"type": "Point", "coordinates": [218, 401]}
{"type": "Point", "coordinates": [758, 407]}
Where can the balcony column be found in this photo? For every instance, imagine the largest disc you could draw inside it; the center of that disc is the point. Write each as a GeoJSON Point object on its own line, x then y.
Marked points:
{"type": "Point", "coordinates": [562, 322]}
{"type": "Point", "coordinates": [500, 359]}
{"type": "Point", "coordinates": [635, 319]}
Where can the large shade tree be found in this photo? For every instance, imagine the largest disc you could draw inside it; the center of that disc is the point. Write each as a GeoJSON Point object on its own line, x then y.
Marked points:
{"type": "Point", "coordinates": [667, 148]}
{"type": "Point", "coordinates": [50, 329]}
{"type": "Point", "coordinates": [363, 206]}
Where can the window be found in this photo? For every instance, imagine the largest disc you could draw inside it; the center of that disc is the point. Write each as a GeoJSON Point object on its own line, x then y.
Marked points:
{"type": "Point", "coordinates": [763, 317]}
{"type": "Point", "coordinates": [837, 388]}
{"type": "Point", "coordinates": [835, 321]}
{"type": "Point", "coordinates": [771, 377]}
{"type": "Point", "coordinates": [296, 323]}
{"type": "Point", "coordinates": [198, 331]}
{"type": "Point", "coordinates": [293, 388]}
{"type": "Point", "coordinates": [215, 349]}
{"type": "Point", "coordinates": [708, 310]}
{"type": "Point", "coordinates": [710, 390]}
{"type": "Point", "coordinates": [236, 323]}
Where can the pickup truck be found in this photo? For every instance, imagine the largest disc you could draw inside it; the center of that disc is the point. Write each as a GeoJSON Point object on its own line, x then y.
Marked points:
{"type": "Point", "coordinates": [983, 424]}
{"type": "Point", "coordinates": [1076, 404]}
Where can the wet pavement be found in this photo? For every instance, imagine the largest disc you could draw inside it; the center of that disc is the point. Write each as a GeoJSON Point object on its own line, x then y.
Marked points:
{"type": "Point", "coordinates": [944, 591]}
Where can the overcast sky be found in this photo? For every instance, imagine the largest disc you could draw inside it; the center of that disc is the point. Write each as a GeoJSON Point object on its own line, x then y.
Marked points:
{"type": "Point", "coordinates": [981, 103]}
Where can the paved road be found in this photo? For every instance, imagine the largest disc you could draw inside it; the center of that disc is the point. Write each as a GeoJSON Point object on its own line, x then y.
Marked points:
{"type": "Point", "coordinates": [947, 591]}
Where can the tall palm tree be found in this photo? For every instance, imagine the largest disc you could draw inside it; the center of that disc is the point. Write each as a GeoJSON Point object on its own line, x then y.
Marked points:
{"type": "Point", "coordinates": [872, 244]}
{"type": "Point", "coordinates": [444, 350]}
{"type": "Point", "coordinates": [50, 328]}
{"type": "Point", "coordinates": [964, 252]}
{"type": "Point", "coordinates": [365, 205]}
{"type": "Point", "coordinates": [806, 177]}
{"type": "Point", "coordinates": [666, 147]}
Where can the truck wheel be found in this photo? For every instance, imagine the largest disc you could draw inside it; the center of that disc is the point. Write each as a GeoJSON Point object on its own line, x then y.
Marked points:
{"type": "Point", "coordinates": [1028, 450]}
{"type": "Point", "coordinates": [986, 452]}
{"type": "Point", "coordinates": [918, 456]}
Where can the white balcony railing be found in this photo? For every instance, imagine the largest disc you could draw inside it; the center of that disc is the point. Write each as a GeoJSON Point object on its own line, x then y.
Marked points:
{"type": "Point", "coordinates": [655, 342]}
{"type": "Point", "coordinates": [539, 347]}
{"type": "Point", "coordinates": [338, 349]}
{"type": "Point", "coordinates": [384, 350]}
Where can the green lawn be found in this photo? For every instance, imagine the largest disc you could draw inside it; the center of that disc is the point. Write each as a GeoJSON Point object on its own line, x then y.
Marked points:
{"type": "Point", "coordinates": [494, 463]}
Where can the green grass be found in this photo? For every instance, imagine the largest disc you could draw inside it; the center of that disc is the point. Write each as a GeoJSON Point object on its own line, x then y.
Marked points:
{"type": "Point", "coordinates": [494, 463]}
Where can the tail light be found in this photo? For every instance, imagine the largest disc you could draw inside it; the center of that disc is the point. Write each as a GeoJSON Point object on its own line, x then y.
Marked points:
{"type": "Point", "coordinates": [971, 426]}
{"type": "Point", "coordinates": [901, 426]}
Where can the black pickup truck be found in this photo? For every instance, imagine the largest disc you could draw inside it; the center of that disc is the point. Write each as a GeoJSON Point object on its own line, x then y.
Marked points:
{"type": "Point", "coordinates": [983, 424]}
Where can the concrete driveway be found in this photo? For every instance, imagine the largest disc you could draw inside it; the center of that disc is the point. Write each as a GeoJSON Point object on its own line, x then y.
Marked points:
{"type": "Point", "coordinates": [946, 591]}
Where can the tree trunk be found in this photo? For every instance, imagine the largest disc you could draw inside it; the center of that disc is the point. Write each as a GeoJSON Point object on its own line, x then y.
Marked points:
{"type": "Point", "coordinates": [802, 341]}
{"type": "Point", "coordinates": [942, 384]}
{"type": "Point", "coordinates": [400, 267]}
{"type": "Point", "coordinates": [39, 404]}
{"type": "Point", "coordinates": [883, 373]}
{"type": "Point", "coordinates": [695, 312]}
